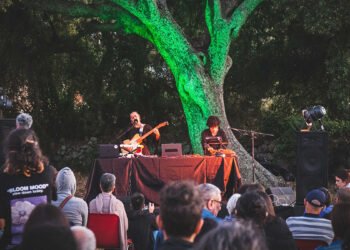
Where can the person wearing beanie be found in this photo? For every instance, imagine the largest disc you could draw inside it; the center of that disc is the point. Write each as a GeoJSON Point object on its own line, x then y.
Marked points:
{"type": "Point", "coordinates": [74, 208]}
{"type": "Point", "coordinates": [311, 226]}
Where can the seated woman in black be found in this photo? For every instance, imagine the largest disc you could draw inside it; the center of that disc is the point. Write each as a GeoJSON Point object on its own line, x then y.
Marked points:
{"type": "Point", "coordinates": [214, 137]}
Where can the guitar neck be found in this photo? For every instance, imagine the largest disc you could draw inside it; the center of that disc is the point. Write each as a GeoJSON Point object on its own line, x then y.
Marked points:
{"type": "Point", "coordinates": [148, 133]}
{"type": "Point", "coordinates": [152, 130]}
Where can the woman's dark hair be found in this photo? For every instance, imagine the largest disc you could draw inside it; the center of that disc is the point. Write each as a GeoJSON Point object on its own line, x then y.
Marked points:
{"type": "Point", "coordinates": [252, 206]}
{"type": "Point", "coordinates": [269, 205]}
{"type": "Point", "coordinates": [328, 195]}
{"type": "Point", "coordinates": [236, 236]}
{"type": "Point", "coordinates": [137, 201]}
{"type": "Point", "coordinates": [47, 228]}
{"type": "Point", "coordinates": [213, 121]}
{"type": "Point", "coordinates": [342, 174]}
{"type": "Point", "coordinates": [341, 223]}
{"type": "Point", "coordinates": [48, 236]}
{"type": "Point", "coordinates": [46, 214]}
{"type": "Point", "coordinates": [23, 154]}
{"type": "Point", "coordinates": [249, 187]}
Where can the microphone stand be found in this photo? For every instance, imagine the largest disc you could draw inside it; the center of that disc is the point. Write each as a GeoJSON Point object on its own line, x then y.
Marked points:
{"type": "Point", "coordinates": [124, 132]}
{"type": "Point", "coordinates": [252, 133]}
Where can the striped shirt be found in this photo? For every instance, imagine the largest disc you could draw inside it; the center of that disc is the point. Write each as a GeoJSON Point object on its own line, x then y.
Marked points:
{"type": "Point", "coordinates": [311, 228]}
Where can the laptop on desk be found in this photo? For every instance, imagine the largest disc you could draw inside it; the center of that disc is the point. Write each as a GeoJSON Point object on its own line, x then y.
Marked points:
{"type": "Point", "coordinates": [108, 151]}
{"type": "Point", "coordinates": [171, 149]}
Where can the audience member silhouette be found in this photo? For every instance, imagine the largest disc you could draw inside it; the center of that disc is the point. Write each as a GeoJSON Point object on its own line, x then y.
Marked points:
{"type": "Point", "coordinates": [46, 213]}
{"type": "Point", "coordinates": [47, 228]}
{"type": "Point", "coordinates": [107, 203]}
{"type": "Point", "coordinates": [180, 215]}
{"type": "Point", "coordinates": [211, 196]}
{"type": "Point", "coordinates": [310, 226]}
{"type": "Point", "coordinates": [231, 207]}
{"type": "Point", "coordinates": [327, 210]}
{"type": "Point", "coordinates": [341, 227]}
{"type": "Point", "coordinates": [84, 238]}
{"type": "Point", "coordinates": [342, 195]}
{"type": "Point", "coordinates": [236, 236]}
{"type": "Point", "coordinates": [277, 233]}
{"type": "Point", "coordinates": [75, 209]}
{"type": "Point", "coordinates": [48, 236]}
{"type": "Point", "coordinates": [142, 223]}
{"type": "Point", "coordinates": [251, 206]}
{"type": "Point", "coordinates": [342, 179]}
{"type": "Point", "coordinates": [249, 187]}
{"type": "Point", "coordinates": [24, 120]}
{"type": "Point", "coordinates": [25, 181]}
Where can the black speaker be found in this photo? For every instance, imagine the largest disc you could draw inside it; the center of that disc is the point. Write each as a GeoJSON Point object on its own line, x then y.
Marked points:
{"type": "Point", "coordinates": [312, 163]}
{"type": "Point", "coordinates": [6, 125]}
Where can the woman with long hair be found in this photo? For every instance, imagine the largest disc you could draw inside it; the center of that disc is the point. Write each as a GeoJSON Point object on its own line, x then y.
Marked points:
{"type": "Point", "coordinates": [26, 180]}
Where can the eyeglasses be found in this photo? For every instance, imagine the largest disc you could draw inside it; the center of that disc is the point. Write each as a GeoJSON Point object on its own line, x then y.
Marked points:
{"type": "Point", "coordinates": [220, 202]}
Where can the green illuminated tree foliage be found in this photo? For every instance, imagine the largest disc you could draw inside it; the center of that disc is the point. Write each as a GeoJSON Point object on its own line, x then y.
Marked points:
{"type": "Point", "coordinates": [199, 75]}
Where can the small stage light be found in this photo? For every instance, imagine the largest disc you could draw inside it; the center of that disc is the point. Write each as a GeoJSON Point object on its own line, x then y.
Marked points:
{"type": "Point", "coordinates": [316, 113]}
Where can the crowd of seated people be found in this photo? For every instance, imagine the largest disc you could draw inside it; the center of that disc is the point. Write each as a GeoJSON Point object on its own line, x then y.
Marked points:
{"type": "Point", "coordinates": [38, 210]}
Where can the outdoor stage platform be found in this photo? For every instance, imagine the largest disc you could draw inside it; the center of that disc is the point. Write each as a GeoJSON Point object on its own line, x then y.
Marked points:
{"type": "Point", "coordinates": [148, 175]}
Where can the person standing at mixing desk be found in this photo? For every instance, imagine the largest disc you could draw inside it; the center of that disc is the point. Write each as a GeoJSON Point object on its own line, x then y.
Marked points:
{"type": "Point", "coordinates": [213, 138]}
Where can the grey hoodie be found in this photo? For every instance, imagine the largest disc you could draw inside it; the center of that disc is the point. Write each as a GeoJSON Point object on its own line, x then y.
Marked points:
{"type": "Point", "coordinates": [76, 209]}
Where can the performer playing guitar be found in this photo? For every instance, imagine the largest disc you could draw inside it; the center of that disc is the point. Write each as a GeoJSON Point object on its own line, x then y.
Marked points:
{"type": "Point", "coordinates": [138, 130]}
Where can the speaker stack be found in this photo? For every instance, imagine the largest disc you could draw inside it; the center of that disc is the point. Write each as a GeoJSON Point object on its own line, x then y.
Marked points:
{"type": "Point", "coordinates": [312, 163]}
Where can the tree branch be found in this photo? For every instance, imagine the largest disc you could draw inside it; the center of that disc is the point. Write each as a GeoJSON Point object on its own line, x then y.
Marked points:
{"type": "Point", "coordinates": [149, 19]}
{"type": "Point", "coordinates": [167, 35]}
{"type": "Point", "coordinates": [100, 10]}
{"type": "Point", "coordinates": [221, 32]}
{"type": "Point", "coordinates": [241, 14]}
{"type": "Point", "coordinates": [115, 16]}
{"type": "Point", "coordinates": [212, 14]}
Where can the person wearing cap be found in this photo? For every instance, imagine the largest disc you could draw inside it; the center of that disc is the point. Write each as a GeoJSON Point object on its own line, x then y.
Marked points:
{"type": "Point", "coordinates": [107, 203]}
{"type": "Point", "coordinates": [24, 120]}
{"type": "Point", "coordinates": [311, 226]}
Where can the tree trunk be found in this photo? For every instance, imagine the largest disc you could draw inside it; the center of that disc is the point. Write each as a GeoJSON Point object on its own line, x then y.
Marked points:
{"type": "Point", "coordinates": [213, 104]}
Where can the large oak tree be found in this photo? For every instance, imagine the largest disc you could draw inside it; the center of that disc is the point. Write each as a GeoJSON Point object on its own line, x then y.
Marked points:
{"type": "Point", "coordinates": [199, 74]}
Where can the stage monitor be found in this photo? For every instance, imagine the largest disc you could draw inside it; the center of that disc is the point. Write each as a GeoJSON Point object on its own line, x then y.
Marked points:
{"type": "Point", "coordinates": [108, 151]}
{"type": "Point", "coordinates": [172, 149]}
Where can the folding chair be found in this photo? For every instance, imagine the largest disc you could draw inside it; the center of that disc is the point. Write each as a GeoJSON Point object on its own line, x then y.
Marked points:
{"type": "Point", "coordinates": [106, 229]}
{"type": "Point", "coordinates": [309, 244]}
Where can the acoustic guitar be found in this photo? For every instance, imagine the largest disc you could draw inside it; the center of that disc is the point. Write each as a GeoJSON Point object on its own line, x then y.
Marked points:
{"type": "Point", "coordinates": [133, 145]}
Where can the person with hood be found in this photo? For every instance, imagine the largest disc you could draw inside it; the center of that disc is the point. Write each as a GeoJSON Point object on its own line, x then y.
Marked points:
{"type": "Point", "coordinates": [75, 209]}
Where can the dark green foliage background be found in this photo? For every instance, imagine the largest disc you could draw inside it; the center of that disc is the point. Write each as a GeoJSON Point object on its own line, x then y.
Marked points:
{"type": "Point", "coordinates": [290, 55]}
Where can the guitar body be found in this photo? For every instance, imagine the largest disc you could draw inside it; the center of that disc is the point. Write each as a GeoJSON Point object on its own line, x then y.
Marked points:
{"type": "Point", "coordinates": [134, 145]}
